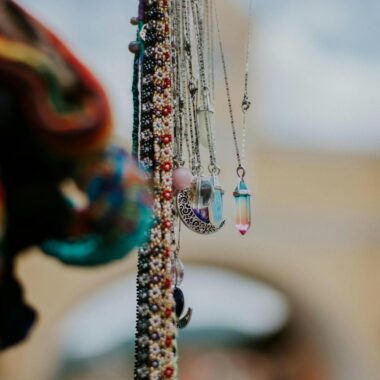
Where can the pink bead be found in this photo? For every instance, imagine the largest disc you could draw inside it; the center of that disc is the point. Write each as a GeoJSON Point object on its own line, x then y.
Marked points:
{"type": "Point", "coordinates": [134, 20]}
{"type": "Point", "coordinates": [182, 178]}
{"type": "Point", "coordinates": [134, 47]}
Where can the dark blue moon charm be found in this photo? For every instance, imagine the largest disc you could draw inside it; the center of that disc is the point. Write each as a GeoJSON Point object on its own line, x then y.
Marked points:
{"type": "Point", "coordinates": [179, 307]}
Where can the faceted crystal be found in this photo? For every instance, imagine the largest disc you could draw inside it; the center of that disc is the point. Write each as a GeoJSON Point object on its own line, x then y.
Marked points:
{"type": "Point", "coordinates": [243, 207]}
{"type": "Point", "coordinates": [201, 193]}
{"type": "Point", "coordinates": [216, 207]}
{"type": "Point", "coordinates": [178, 271]}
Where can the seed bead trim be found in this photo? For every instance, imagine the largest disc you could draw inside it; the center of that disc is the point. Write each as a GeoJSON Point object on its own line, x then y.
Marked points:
{"type": "Point", "coordinates": [155, 354]}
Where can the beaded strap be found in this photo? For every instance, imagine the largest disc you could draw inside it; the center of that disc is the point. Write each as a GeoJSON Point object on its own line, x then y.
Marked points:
{"type": "Point", "coordinates": [155, 351]}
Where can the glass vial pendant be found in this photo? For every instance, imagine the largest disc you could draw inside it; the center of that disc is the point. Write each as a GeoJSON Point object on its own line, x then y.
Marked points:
{"type": "Point", "coordinates": [243, 207]}
{"type": "Point", "coordinates": [216, 206]}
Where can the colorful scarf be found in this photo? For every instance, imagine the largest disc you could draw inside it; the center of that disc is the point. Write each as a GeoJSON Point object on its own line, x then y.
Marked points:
{"type": "Point", "coordinates": [74, 121]}
{"type": "Point", "coordinates": [65, 130]}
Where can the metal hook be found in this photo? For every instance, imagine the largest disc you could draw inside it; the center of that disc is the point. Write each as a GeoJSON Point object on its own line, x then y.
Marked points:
{"type": "Point", "coordinates": [246, 104]}
{"type": "Point", "coordinates": [214, 169]}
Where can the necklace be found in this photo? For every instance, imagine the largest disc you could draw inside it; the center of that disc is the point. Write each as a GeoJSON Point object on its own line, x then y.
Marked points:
{"type": "Point", "coordinates": [205, 111]}
{"type": "Point", "coordinates": [192, 73]}
{"type": "Point", "coordinates": [242, 194]}
{"type": "Point", "coordinates": [174, 91]}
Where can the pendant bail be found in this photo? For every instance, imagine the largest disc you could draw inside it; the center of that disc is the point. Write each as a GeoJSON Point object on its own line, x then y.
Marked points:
{"type": "Point", "coordinates": [240, 171]}
{"type": "Point", "coordinates": [214, 169]}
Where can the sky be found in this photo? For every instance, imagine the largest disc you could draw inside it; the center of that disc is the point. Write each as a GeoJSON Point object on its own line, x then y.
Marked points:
{"type": "Point", "coordinates": [316, 64]}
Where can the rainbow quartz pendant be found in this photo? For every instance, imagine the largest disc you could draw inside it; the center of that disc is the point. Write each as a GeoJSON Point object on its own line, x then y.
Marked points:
{"type": "Point", "coordinates": [243, 207]}
{"type": "Point", "coordinates": [216, 206]}
{"type": "Point", "coordinates": [201, 192]}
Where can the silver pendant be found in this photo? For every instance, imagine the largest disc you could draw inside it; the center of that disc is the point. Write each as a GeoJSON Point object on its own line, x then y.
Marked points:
{"type": "Point", "coordinates": [196, 220]}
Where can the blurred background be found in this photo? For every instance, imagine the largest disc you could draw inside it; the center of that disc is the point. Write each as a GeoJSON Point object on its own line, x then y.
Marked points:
{"type": "Point", "coordinates": [297, 297]}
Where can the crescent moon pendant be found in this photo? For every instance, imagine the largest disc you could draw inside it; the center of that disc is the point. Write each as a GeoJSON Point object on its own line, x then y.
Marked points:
{"type": "Point", "coordinates": [190, 219]}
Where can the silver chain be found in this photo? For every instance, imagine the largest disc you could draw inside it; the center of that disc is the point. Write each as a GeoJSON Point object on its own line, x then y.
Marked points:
{"type": "Point", "coordinates": [193, 45]}
{"type": "Point", "coordinates": [192, 90]}
{"type": "Point", "coordinates": [176, 75]}
{"type": "Point", "coordinates": [246, 103]}
{"type": "Point", "coordinates": [205, 93]}
{"type": "Point", "coordinates": [209, 38]}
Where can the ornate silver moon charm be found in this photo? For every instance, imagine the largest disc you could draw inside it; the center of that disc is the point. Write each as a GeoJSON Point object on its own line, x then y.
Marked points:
{"type": "Point", "coordinates": [193, 219]}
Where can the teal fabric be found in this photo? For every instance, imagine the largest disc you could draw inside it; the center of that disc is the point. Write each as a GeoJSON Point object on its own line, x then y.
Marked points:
{"type": "Point", "coordinates": [95, 250]}
{"type": "Point", "coordinates": [117, 189]}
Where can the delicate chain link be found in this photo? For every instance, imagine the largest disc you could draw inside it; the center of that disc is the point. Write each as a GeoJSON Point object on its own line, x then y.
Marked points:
{"type": "Point", "coordinates": [226, 82]}
{"type": "Point", "coordinates": [209, 38]}
{"type": "Point", "coordinates": [176, 40]}
{"type": "Point", "coordinates": [192, 90]}
{"type": "Point", "coordinates": [240, 155]}
{"type": "Point", "coordinates": [246, 103]}
{"type": "Point", "coordinates": [248, 53]}
{"type": "Point", "coordinates": [193, 47]}
{"type": "Point", "coordinates": [205, 94]}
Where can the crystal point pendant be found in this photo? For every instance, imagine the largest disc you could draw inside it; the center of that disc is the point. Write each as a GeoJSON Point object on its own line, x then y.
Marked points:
{"type": "Point", "coordinates": [201, 193]}
{"type": "Point", "coordinates": [243, 207]}
{"type": "Point", "coordinates": [216, 207]}
{"type": "Point", "coordinates": [178, 271]}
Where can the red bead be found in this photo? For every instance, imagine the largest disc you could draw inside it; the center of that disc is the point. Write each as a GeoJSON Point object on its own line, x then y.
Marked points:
{"type": "Point", "coordinates": [167, 166]}
{"type": "Point", "coordinates": [166, 110]}
{"type": "Point", "coordinates": [167, 194]}
{"type": "Point", "coordinates": [167, 224]}
{"type": "Point", "coordinates": [169, 339]}
{"type": "Point", "coordinates": [169, 372]}
{"type": "Point", "coordinates": [167, 82]}
{"type": "Point", "coordinates": [168, 283]}
{"type": "Point", "coordinates": [166, 139]}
